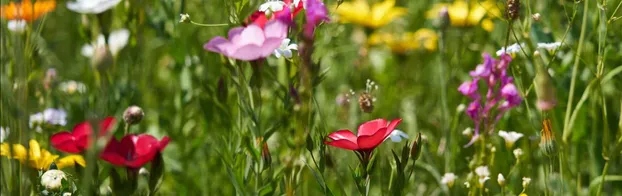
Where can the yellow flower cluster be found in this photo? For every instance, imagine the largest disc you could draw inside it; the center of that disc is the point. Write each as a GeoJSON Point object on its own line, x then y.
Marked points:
{"type": "Point", "coordinates": [421, 39]}
{"type": "Point", "coordinates": [359, 12]}
{"type": "Point", "coordinates": [463, 14]}
{"type": "Point", "coordinates": [39, 158]}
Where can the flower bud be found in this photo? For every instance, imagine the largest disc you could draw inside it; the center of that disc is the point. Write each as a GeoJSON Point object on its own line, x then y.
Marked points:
{"type": "Point", "coordinates": [52, 179]}
{"type": "Point", "coordinates": [184, 18]}
{"type": "Point", "coordinates": [366, 102]}
{"type": "Point", "coordinates": [526, 182]}
{"type": "Point", "coordinates": [517, 153]}
{"type": "Point", "coordinates": [102, 58]}
{"type": "Point", "coordinates": [512, 9]}
{"type": "Point", "coordinates": [133, 115]}
{"type": "Point", "coordinates": [50, 77]}
{"type": "Point", "coordinates": [444, 17]}
{"type": "Point", "coordinates": [536, 17]}
{"type": "Point", "coordinates": [415, 151]}
{"type": "Point", "coordinates": [448, 179]}
{"type": "Point", "coordinates": [547, 139]}
{"type": "Point", "coordinates": [545, 90]}
{"type": "Point", "coordinates": [501, 180]}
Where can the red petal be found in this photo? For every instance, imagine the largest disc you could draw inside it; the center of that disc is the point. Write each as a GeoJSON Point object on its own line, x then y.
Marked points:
{"type": "Point", "coordinates": [139, 161]}
{"type": "Point", "coordinates": [64, 141]}
{"type": "Point", "coordinates": [258, 18]}
{"type": "Point", "coordinates": [82, 134]}
{"type": "Point", "coordinates": [371, 127]}
{"type": "Point", "coordinates": [371, 141]}
{"type": "Point", "coordinates": [345, 144]}
{"type": "Point", "coordinates": [164, 143]}
{"type": "Point", "coordinates": [343, 139]}
{"type": "Point", "coordinates": [392, 126]}
{"type": "Point", "coordinates": [106, 125]}
{"type": "Point", "coordinates": [112, 153]}
{"type": "Point", "coordinates": [146, 144]}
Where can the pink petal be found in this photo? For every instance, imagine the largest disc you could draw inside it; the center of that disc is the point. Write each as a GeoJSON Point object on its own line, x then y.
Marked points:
{"type": "Point", "coordinates": [275, 29]}
{"type": "Point", "coordinates": [371, 127]}
{"type": "Point", "coordinates": [247, 53]}
{"type": "Point", "coordinates": [371, 141]}
{"type": "Point", "coordinates": [219, 45]}
{"type": "Point", "coordinates": [270, 45]}
{"type": "Point", "coordinates": [235, 32]}
{"type": "Point", "coordinates": [392, 126]}
{"type": "Point", "coordinates": [251, 35]}
{"type": "Point", "coordinates": [343, 135]}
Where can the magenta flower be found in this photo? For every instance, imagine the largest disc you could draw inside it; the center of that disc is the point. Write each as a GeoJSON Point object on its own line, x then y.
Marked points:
{"type": "Point", "coordinates": [501, 94]}
{"type": "Point", "coordinates": [251, 42]}
{"type": "Point", "coordinates": [316, 13]}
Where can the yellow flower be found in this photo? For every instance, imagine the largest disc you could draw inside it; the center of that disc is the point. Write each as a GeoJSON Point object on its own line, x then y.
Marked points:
{"type": "Point", "coordinates": [380, 14]}
{"type": "Point", "coordinates": [39, 158]}
{"type": "Point", "coordinates": [422, 38]}
{"type": "Point", "coordinates": [462, 14]}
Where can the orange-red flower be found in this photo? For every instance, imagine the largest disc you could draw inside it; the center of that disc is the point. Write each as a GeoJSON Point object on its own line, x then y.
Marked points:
{"type": "Point", "coordinates": [26, 10]}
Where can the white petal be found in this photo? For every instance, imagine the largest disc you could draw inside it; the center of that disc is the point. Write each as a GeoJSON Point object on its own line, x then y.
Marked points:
{"type": "Point", "coordinates": [92, 6]}
{"type": "Point", "coordinates": [88, 50]}
{"type": "Point", "coordinates": [117, 40]}
{"type": "Point", "coordinates": [292, 47]}
{"type": "Point", "coordinates": [287, 54]}
{"type": "Point", "coordinates": [397, 136]}
{"type": "Point", "coordinates": [277, 53]}
{"type": "Point", "coordinates": [17, 26]}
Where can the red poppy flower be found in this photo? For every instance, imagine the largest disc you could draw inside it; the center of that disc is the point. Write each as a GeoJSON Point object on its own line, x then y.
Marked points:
{"type": "Point", "coordinates": [133, 151]}
{"type": "Point", "coordinates": [259, 18]}
{"type": "Point", "coordinates": [369, 135]}
{"type": "Point", "coordinates": [79, 139]}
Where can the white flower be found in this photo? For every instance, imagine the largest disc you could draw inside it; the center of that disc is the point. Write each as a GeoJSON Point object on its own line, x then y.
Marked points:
{"type": "Point", "coordinates": [467, 185]}
{"type": "Point", "coordinates": [517, 153]}
{"type": "Point", "coordinates": [397, 136]}
{"type": "Point", "coordinates": [526, 182]}
{"type": "Point", "coordinates": [52, 179]}
{"type": "Point", "coordinates": [50, 116]}
{"type": "Point", "coordinates": [67, 194]}
{"type": "Point", "coordinates": [510, 137]}
{"type": "Point", "coordinates": [501, 179]}
{"type": "Point", "coordinates": [549, 46]}
{"type": "Point", "coordinates": [512, 49]}
{"type": "Point", "coordinates": [143, 171]}
{"type": "Point", "coordinates": [448, 179]}
{"type": "Point", "coordinates": [92, 6]}
{"type": "Point", "coordinates": [71, 87]}
{"type": "Point", "coordinates": [4, 133]}
{"type": "Point", "coordinates": [116, 41]}
{"type": "Point", "coordinates": [482, 171]}
{"type": "Point", "coordinates": [271, 6]}
{"type": "Point", "coordinates": [184, 18]}
{"type": "Point", "coordinates": [285, 49]}
{"type": "Point", "coordinates": [467, 132]}
{"type": "Point", "coordinates": [17, 26]}
{"type": "Point", "coordinates": [460, 108]}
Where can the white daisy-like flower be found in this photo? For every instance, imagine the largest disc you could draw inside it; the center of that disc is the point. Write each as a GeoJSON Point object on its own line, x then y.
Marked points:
{"type": "Point", "coordinates": [116, 41]}
{"type": "Point", "coordinates": [50, 116]}
{"type": "Point", "coordinates": [71, 87]}
{"type": "Point", "coordinates": [501, 179]}
{"type": "Point", "coordinates": [526, 182]}
{"type": "Point", "coordinates": [4, 133]}
{"type": "Point", "coordinates": [510, 137]}
{"type": "Point", "coordinates": [91, 6]}
{"type": "Point", "coordinates": [449, 179]}
{"type": "Point", "coordinates": [17, 26]}
{"type": "Point", "coordinates": [271, 6]}
{"type": "Point", "coordinates": [549, 46]}
{"type": "Point", "coordinates": [285, 50]}
{"type": "Point", "coordinates": [52, 179]}
{"type": "Point", "coordinates": [397, 136]}
{"type": "Point", "coordinates": [517, 153]}
{"type": "Point", "coordinates": [512, 49]}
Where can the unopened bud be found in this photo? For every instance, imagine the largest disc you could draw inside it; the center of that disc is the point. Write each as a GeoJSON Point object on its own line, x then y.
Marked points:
{"type": "Point", "coordinates": [545, 90]}
{"type": "Point", "coordinates": [265, 152]}
{"type": "Point", "coordinates": [52, 180]}
{"type": "Point", "coordinates": [415, 151]}
{"type": "Point", "coordinates": [536, 16]}
{"type": "Point", "coordinates": [501, 180]}
{"type": "Point", "coordinates": [102, 58]}
{"type": "Point", "coordinates": [444, 17]}
{"type": "Point", "coordinates": [50, 77]}
{"type": "Point", "coordinates": [512, 9]}
{"type": "Point", "coordinates": [223, 91]}
{"type": "Point", "coordinates": [133, 115]}
{"type": "Point", "coordinates": [366, 102]}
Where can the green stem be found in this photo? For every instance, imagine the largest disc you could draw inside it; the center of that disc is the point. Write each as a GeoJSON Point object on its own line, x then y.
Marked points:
{"type": "Point", "coordinates": [208, 25]}
{"type": "Point", "coordinates": [602, 181]}
{"type": "Point", "coordinates": [575, 70]}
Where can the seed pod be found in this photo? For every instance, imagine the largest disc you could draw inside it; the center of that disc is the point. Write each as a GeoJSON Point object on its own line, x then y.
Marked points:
{"type": "Point", "coordinates": [512, 9]}
{"type": "Point", "coordinates": [545, 89]}
{"type": "Point", "coordinates": [133, 115]}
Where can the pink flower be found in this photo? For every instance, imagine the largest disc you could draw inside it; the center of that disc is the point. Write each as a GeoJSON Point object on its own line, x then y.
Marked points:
{"type": "Point", "coordinates": [251, 42]}
{"type": "Point", "coordinates": [469, 88]}
{"type": "Point", "coordinates": [316, 13]}
{"type": "Point", "coordinates": [510, 93]}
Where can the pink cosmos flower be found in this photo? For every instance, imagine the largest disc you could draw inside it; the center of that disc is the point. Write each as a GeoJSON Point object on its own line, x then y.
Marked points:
{"type": "Point", "coordinates": [251, 42]}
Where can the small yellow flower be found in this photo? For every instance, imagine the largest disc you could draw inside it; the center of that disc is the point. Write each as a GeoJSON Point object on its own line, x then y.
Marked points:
{"type": "Point", "coordinates": [421, 39]}
{"type": "Point", "coordinates": [461, 14]}
{"type": "Point", "coordinates": [39, 158]}
{"type": "Point", "coordinates": [359, 12]}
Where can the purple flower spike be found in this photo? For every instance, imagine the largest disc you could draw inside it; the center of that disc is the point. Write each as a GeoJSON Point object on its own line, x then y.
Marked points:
{"type": "Point", "coordinates": [251, 42]}
{"type": "Point", "coordinates": [510, 94]}
{"type": "Point", "coordinates": [474, 109]}
{"type": "Point", "coordinates": [469, 89]}
{"type": "Point", "coordinates": [316, 13]}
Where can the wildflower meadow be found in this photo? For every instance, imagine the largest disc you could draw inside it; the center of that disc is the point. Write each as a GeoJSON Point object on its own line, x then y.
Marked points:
{"type": "Point", "coordinates": [311, 97]}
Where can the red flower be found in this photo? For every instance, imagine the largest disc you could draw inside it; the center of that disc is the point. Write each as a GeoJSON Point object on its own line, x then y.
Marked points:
{"type": "Point", "coordinates": [133, 151]}
{"type": "Point", "coordinates": [259, 18]}
{"type": "Point", "coordinates": [369, 136]}
{"type": "Point", "coordinates": [80, 138]}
